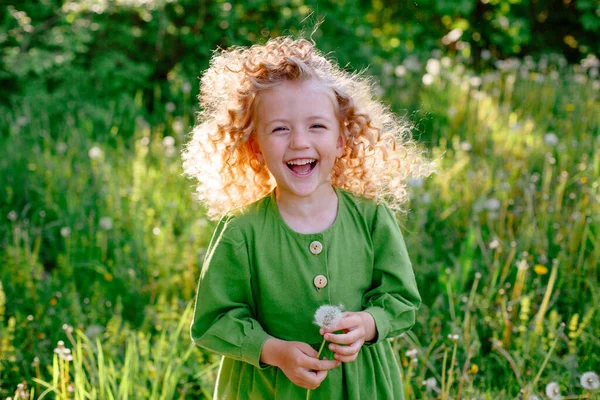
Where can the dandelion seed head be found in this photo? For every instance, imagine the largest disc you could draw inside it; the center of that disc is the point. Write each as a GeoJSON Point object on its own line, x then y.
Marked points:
{"type": "Point", "coordinates": [551, 139]}
{"type": "Point", "coordinates": [65, 231]}
{"type": "Point", "coordinates": [430, 383]}
{"type": "Point", "coordinates": [168, 141]}
{"type": "Point", "coordinates": [95, 153]}
{"type": "Point", "coordinates": [412, 353]}
{"type": "Point", "coordinates": [433, 67]}
{"type": "Point", "coordinates": [492, 204]}
{"type": "Point", "coordinates": [106, 223]}
{"type": "Point", "coordinates": [12, 215]}
{"type": "Point", "coordinates": [61, 147]}
{"type": "Point", "coordinates": [466, 146]}
{"type": "Point", "coordinates": [553, 391]}
{"type": "Point", "coordinates": [400, 70]}
{"type": "Point", "coordinates": [590, 380]}
{"type": "Point", "coordinates": [328, 316]}
{"type": "Point", "coordinates": [427, 79]}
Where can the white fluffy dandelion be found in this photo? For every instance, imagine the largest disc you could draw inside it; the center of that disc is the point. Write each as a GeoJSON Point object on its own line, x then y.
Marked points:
{"type": "Point", "coordinates": [590, 380]}
{"type": "Point", "coordinates": [328, 316]}
{"type": "Point", "coordinates": [95, 152]}
{"type": "Point", "coordinates": [553, 391]}
{"type": "Point", "coordinates": [106, 223]}
{"type": "Point", "coordinates": [431, 384]}
{"type": "Point", "coordinates": [551, 139]}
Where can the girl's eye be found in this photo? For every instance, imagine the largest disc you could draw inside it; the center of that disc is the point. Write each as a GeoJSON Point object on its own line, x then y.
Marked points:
{"type": "Point", "coordinates": [279, 128]}
{"type": "Point", "coordinates": [320, 126]}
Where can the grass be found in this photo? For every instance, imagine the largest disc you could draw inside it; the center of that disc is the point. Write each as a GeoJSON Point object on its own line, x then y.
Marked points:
{"type": "Point", "coordinates": [101, 241]}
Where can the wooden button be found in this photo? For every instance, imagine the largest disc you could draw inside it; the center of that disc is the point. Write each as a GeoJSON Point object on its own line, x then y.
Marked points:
{"type": "Point", "coordinates": [316, 248]}
{"type": "Point", "coordinates": [320, 281]}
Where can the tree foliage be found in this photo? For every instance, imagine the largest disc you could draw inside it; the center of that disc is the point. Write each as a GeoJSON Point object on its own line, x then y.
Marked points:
{"type": "Point", "coordinates": [105, 49]}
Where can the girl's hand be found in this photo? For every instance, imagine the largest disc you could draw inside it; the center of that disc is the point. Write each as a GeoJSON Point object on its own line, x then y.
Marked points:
{"type": "Point", "coordinates": [357, 328]}
{"type": "Point", "coordinates": [298, 362]}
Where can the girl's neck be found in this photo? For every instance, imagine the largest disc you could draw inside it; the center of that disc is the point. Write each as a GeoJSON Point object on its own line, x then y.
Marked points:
{"type": "Point", "coordinates": [308, 215]}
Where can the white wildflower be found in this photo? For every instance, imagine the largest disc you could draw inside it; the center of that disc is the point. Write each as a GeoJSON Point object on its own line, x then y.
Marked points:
{"type": "Point", "coordinates": [95, 152]}
{"type": "Point", "coordinates": [61, 147]}
{"type": "Point", "coordinates": [170, 107]}
{"type": "Point", "coordinates": [551, 139]}
{"type": "Point", "coordinates": [186, 87]}
{"type": "Point", "coordinates": [590, 381]}
{"type": "Point", "coordinates": [492, 204]}
{"type": "Point", "coordinates": [168, 141]}
{"type": "Point", "coordinates": [475, 81]}
{"type": "Point", "coordinates": [12, 215]}
{"type": "Point", "coordinates": [412, 63]}
{"type": "Point", "coordinates": [177, 126]}
{"type": "Point", "coordinates": [412, 353]}
{"type": "Point", "coordinates": [553, 391]}
{"type": "Point", "coordinates": [106, 223]}
{"type": "Point", "coordinates": [452, 36]}
{"type": "Point", "coordinates": [427, 79]}
{"type": "Point", "coordinates": [430, 384]}
{"type": "Point", "coordinates": [433, 67]}
{"type": "Point", "coordinates": [328, 316]}
{"type": "Point", "coordinates": [65, 231]}
{"type": "Point", "coordinates": [466, 146]}
{"type": "Point", "coordinates": [400, 71]}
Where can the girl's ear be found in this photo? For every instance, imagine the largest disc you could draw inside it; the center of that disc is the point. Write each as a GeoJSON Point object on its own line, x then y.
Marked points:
{"type": "Point", "coordinates": [255, 148]}
{"type": "Point", "coordinates": [341, 144]}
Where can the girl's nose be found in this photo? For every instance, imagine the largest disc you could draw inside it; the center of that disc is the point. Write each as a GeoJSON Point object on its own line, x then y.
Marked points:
{"type": "Point", "coordinates": [299, 139]}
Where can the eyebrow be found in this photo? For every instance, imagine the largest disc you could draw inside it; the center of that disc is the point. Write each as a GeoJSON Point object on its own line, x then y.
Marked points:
{"type": "Point", "coordinates": [312, 117]}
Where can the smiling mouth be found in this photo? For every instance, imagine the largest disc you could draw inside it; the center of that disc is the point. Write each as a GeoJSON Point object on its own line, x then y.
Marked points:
{"type": "Point", "coordinates": [302, 166]}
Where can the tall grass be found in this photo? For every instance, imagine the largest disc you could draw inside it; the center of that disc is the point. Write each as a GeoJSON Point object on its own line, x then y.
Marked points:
{"type": "Point", "coordinates": [101, 240]}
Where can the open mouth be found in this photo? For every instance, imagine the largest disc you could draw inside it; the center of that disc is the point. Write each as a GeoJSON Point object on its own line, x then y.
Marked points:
{"type": "Point", "coordinates": [302, 166]}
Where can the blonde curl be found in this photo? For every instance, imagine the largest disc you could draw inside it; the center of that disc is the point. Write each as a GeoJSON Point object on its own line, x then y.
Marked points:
{"type": "Point", "coordinates": [377, 161]}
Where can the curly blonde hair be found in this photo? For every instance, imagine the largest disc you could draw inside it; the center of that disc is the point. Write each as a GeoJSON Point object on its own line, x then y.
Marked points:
{"type": "Point", "coordinates": [379, 155]}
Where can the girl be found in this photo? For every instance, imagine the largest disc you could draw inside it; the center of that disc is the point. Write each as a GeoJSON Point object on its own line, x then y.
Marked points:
{"type": "Point", "coordinates": [299, 158]}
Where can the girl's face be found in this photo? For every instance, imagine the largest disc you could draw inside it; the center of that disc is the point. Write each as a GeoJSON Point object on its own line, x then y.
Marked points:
{"type": "Point", "coordinates": [297, 134]}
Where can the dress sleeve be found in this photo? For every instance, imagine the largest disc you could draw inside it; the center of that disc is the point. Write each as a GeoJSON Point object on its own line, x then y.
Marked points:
{"type": "Point", "coordinates": [393, 298]}
{"type": "Point", "coordinates": [224, 313]}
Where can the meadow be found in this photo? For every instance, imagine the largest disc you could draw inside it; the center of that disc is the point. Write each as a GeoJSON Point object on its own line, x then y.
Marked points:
{"type": "Point", "coordinates": [100, 260]}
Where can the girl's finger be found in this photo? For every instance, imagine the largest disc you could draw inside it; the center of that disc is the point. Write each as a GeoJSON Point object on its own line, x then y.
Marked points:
{"type": "Point", "coordinates": [349, 358]}
{"type": "Point", "coordinates": [346, 350]}
{"type": "Point", "coordinates": [349, 322]}
{"type": "Point", "coordinates": [344, 338]}
{"type": "Point", "coordinates": [315, 364]}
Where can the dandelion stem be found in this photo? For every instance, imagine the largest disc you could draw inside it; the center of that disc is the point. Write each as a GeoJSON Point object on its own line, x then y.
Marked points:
{"type": "Point", "coordinates": [319, 357]}
{"type": "Point", "coordinates": [539, 374]}
{"type": "Point", "coordinates": [321, 349]}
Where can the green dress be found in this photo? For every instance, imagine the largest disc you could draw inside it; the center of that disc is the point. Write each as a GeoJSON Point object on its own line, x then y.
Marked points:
{"type": "Point", "coordinates": [261, 279]}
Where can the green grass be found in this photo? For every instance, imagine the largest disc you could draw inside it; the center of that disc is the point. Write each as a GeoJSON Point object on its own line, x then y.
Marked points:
{"type": "Point", "coordinates": [101, 248]}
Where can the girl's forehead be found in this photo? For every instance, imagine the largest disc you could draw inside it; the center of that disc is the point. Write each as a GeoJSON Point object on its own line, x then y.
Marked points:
{"type": "Point", "coordinates": [305, 94]}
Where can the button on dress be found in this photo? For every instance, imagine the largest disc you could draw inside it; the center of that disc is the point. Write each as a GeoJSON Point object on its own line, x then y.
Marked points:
{"type": "Point", "coordinates": [261, 279]}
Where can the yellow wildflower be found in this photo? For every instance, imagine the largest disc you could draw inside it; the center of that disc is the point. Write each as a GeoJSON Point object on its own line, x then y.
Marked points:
{"type": "Point", "coordinates": [540, 269]}
{"type": "Point", "coordinates": [474, 369]}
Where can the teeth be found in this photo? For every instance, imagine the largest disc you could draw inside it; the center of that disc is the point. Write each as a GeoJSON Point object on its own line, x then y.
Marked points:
{"type": "Point", "coordinates": [301, 161]}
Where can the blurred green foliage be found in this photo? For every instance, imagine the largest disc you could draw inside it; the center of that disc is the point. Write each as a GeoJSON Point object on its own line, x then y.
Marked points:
{"type": "Point", "coordinates": [108, 49]}
{"type": "Point", "coordinates": [99, 233]}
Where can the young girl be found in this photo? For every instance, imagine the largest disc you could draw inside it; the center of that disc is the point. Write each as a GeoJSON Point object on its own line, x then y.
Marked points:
{"type": "Point", "coordinates": [303, 165]}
